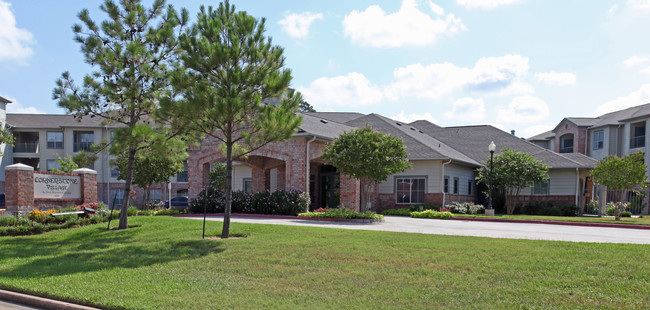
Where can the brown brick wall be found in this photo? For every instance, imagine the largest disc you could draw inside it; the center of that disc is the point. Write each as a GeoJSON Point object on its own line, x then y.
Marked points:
{"type": "Point", "coordinates": [579, 136]}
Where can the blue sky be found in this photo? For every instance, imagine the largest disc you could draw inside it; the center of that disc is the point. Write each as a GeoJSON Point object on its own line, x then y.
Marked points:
{"type": "Point", "coordinates": [515, 64]}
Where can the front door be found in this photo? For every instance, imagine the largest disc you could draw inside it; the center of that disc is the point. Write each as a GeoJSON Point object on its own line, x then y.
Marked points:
{"type": "Point", "coordinates": [329, 193]}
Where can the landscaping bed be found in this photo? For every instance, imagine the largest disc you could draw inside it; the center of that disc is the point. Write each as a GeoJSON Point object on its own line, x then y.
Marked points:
{"type": "Point", "coordinates": [342, 214]}
{"type": "Point", "coordinates": [164, 264]}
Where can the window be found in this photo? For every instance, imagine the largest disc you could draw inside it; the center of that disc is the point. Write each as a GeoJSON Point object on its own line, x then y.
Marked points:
{"type": "Point", "coordinates": [248, 185]}
{"type": "Point", "coordinates": [566, 143]}
{"type": "Point", "coordinates": [540, 188]}
{"type": "Point", "coordinates": [54, 140]}
{"type": "Point", "coordinates": [155, 194]}
{"type": "Point", "coordinates": [114, 172]}
{"type": "Point", "coordinates": [469, 187]}
{"type": "Point", "coordinates": [455, 185]}
{"type": "Point", "coordinates": [410, 190]}
{"type": "Point", "coordinates": [118, 196]}
{"type": "Point", "coordinates": [638, 135]}
{"type": "Point", "coordinates": [182, 176]}
{"type": "Point", "coordinates": [52, 164]}
{"type": "Point", "coordinates": [599, 137]}
{"type": "Point", "coordinates": [446, 187]}
{"type": "Point", "coordinates": [83, 140]}
{"type": "Point", "coordinates": [181, 192]}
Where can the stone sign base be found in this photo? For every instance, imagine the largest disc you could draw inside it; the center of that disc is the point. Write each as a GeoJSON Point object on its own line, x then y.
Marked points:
{"type": "Point", "coordinates": [19, 190]}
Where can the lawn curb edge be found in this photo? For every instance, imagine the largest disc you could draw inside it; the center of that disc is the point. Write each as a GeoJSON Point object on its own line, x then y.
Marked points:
{"type": "Point", "coordinates": [287, 217]}
{"type": "Point", "coordinates": [40, 302]}
{"type": "Point", "coordinates": [588, 224]}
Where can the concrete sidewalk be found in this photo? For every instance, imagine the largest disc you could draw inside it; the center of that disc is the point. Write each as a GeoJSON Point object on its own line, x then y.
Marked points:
{"type": "Point", "coordinates": [471, 228]}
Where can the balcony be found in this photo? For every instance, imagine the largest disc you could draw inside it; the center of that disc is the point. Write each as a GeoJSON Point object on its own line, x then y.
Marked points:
{"type": "Point", "coordinates": [26, 147]}
{"type": "Point", "coordinates": [81, 146]}
{"type": "Point", "coordinates": [566, 149]}
{"type": "Point", "coordinates": [637, 141]}
{"type": "Point", "coordinates": [181, 176]}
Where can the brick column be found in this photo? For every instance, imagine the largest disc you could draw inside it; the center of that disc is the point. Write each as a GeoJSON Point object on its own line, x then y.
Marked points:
{"type": "Point", "coordinates": [295, 174]}
{"type": "Point", "coordinates": [88, 184]}
{"type": "Point", "coordinates": [19, 189]}
{"type": "Point", "coordinates": [350, 192]}
{"type": "Point", "coordinates": [260, 179]}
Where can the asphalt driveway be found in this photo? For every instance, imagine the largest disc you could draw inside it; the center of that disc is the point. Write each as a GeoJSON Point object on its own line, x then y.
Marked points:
{"type": "Point", "coordinates": [471, 228]}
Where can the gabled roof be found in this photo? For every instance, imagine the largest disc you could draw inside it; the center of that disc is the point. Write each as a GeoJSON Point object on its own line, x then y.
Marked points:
{"type": "Point", "coordinates": [473, 141]}
{"type": "Point", "coordinates": [4, 100]}
{"type": "Point", "coordinates": [51, 121]}
{"type": "Point", "coordinates": [419, 145]}
{"type": "Point", "coordinates": [339, 117]}
{"type": "Point", "coordinates": [320, 127]}
{"type": "Point", "coordinates": [617, 117]}
{"type": "Point", "coordinates": [578, 121]}
{"type": "Point", "coordinates": [543, 136]}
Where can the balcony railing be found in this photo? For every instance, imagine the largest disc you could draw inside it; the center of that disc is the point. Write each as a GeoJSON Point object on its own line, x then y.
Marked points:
{"type": "Point", "coordinates": [638, 141]}
{"type": "Point", "coordinates": [25, 147]}
{"type": "Point", "coordinates": [181, 176]}
{"type": "Point", "coordinates": [82, 146]}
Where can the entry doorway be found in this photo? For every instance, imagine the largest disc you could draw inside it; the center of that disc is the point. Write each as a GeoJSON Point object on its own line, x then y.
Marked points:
{"type": "Point", "coordinates": [329, 185]}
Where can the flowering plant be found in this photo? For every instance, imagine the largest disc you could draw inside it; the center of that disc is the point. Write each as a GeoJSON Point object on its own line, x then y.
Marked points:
{"type": "Point", "coordinates": [320, 210]}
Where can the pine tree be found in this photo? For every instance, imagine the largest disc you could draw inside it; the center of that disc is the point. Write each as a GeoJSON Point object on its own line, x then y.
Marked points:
{"type": "Point", "coordinates": [132, 52]}
{"type": "Point", "coordinates": [229, 67]}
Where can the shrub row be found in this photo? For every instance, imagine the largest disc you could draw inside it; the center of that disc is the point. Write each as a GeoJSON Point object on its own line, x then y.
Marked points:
{"type": "Point", "coordinates": [431, 214]}
{"type": "Point", "coordinates": [465, 208]}
{"type": "Point", "coordinates": [343, 213]}
{"type": "Point", "coordinates": [399, 212]}
{"type": "Point", "coordinates": [278, 202]}
{"type": "Point", "coordinates": [548, 208]}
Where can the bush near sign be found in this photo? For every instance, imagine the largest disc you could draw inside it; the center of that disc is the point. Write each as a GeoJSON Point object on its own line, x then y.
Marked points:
{"type": "Point", "coordinates": [54, 186]}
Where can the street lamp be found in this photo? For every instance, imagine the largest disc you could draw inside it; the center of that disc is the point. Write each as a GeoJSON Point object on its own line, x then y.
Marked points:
{"type": "Point", "coordinates": [492, 147]}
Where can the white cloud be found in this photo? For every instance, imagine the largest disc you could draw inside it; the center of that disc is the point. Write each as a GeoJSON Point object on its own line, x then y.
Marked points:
{"type": "Point", "coordinates": [484, 4]}
{"type": "Point", "coordinates": [557, 78]}
{"type": "Point", "coordinates": [297, 24]}
{"type": "Point", "coordinates": [348, 91]}
{"type": "Point", "coordinates": [537, 129]}
{"type": "Point", "coordinates": [613, 9]}
{"type": "Point", "coordinates": [639, 4]}
{"type": "Point", "coordinates": [467, 109]}
{"type": "Point", "coordinates": [402, 117]}
{"type": "Point", "coordinates": [17, 107]}
{"type": "Point", "coordinates": [636, 60]}
{"type": "Point", "coordinates": [14, 42]}
{"type": "Point", "coordinates": [406, 27]}
{"type": "Point", "coordinates": [638, 97]}
{"type": "Point", "coordinates": [522, 110]}
{"type": "Point", "coordinates": [490, 76]}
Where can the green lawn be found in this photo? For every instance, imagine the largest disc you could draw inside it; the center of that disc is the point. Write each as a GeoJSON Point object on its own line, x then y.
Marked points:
{"type": "Point", "coordinates": [593, 219]}
{"type": "Point", "coordinates": [163, 264]}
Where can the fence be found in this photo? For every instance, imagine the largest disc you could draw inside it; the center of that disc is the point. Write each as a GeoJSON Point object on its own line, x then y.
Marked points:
{"type": "Point", "coordinates": [638, 202]}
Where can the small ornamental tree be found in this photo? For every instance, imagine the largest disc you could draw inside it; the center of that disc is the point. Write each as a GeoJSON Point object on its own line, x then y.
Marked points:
{"type": "Point", "coordinates": [512, 171]}
{"type": "Point", "coordinates": [227, 68]}
{"type": "Point", "coordinates": [621, 174]}
{"type": "Point", "coordinates": [369, 156]}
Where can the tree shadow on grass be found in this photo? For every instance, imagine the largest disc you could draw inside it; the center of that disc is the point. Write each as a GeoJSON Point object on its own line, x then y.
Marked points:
{"type": "Point", "coordinates": [89, 251]}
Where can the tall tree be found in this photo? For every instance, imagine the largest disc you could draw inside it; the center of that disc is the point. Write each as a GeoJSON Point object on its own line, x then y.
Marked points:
{"type": "Point", "coordinates": [228, 67]}
{"type": "Point", "coordinates": [621, 174]}
{"type": "Point", "coordinates": [512, 171]}
{"type": "Point", "coordinates": [369, 156]}
{"type": "Point", "coordinates": [306, 107]}
{"type": "Point", "coordinates": [132, 51]}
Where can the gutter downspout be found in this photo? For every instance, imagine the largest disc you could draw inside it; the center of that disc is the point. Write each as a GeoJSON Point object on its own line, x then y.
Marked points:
{"type": "Point", "coordinates": [442, 184]}
{"type": "Point", "coordinates": [313, 138]}
{"type": "Point", "coordinates": [107, 175]}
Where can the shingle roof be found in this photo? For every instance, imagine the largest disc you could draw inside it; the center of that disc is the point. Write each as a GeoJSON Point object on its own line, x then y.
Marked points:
{"type": "Point", "coordinates": [419, 145]}
{"type": "Point", "coordinates": [542, 136]}
{"type": "Point", "coordinates": [339, 117]}
{"type": "Point", "coordinates": [53, 121]}
{"type": "Point", "coordinates": [473, 141]}
{"type": "Point", "coordinates": [320, 127]}
{"type": "Point", "coordinates": [615, 118]}
{"type": "Point", "coordinates": [4, 100]}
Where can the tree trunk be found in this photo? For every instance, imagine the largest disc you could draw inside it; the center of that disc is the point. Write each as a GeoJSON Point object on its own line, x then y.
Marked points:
{"type": "Point", "coordinates": [225, 232]}
{"type": "Point", "coordinates": [127, 190]}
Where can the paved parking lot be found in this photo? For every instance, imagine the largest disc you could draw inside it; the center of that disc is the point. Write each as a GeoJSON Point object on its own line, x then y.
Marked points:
{"type": "Point", "coordinates": [476, 229]}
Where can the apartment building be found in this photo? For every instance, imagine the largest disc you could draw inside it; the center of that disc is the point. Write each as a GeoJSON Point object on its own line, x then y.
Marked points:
{"type": "Point", "coordinates": [617, 133]}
